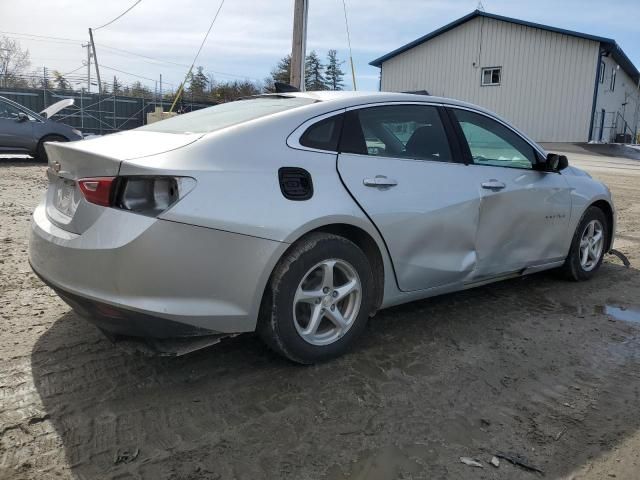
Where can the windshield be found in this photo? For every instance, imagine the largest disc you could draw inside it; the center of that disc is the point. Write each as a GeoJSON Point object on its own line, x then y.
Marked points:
{"type": "Point", "coordinates": [227, 114]}
{"type": "Point", "coordinates": [7, 105]}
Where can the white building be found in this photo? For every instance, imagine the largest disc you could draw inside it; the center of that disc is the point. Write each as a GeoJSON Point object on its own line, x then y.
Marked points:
{"type": "Point", "coordinates": [555, 85]}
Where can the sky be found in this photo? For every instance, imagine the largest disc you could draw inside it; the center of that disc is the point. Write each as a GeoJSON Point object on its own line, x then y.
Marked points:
{"type": "Point", "coordinates": [250, 36]}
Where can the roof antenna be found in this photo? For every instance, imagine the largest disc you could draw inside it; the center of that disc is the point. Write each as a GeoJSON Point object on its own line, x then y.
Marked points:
{"type": "Point", "coordinates": [480, 6]}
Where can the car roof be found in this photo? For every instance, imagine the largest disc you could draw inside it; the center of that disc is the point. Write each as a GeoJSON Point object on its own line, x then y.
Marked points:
{"type": "Point", "coordinates": [343, 98]}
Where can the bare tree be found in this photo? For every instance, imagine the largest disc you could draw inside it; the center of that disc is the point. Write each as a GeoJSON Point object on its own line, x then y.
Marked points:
{"type": "Point", "coordinates": [13, 61]}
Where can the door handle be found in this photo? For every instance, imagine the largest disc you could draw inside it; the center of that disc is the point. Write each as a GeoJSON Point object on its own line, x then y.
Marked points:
{"type": "Point", "coordinates": [493, 184]}
{"type": "Point", "coordinates": [380, 181]}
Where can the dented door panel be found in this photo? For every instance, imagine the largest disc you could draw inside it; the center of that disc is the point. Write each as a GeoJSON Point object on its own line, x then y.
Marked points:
{"type": "Point", "coordinates": [428, 220]}
{"type": "Point", "coordinates": [523, 224]}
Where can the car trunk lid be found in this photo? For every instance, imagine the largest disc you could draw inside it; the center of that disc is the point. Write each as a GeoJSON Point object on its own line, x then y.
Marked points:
{"type": "Point", "coordinates": [97, 157]}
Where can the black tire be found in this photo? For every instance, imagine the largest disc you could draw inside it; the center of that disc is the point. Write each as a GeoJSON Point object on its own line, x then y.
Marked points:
{"type": "Point", "coordinates": [572, 268]}
{"type": "Point", "coordinates": [41, 153]}
{"type": "Point", "coordinates": [276, 325]}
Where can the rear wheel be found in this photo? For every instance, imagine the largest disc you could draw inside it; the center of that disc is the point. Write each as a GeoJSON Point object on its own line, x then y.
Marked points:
{"type": "Point", "coordinates": [588, 246]}
{"type": "Point", "coordinates": [41, 153]}
{"type": "Point", "coordinates": [318, 300]}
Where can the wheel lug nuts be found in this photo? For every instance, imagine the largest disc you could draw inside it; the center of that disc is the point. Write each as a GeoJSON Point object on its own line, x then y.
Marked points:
{"type": "Point", "coordinates": [325, 289]}
{"type": "Point", "coordinates": [333, 307]}
{"type": "Point", "coordinates": [334, 294]}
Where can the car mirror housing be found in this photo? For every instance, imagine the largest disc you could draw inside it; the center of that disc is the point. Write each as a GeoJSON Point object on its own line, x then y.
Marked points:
{"type": "Point", "coordinates": [22, 117]}
{"type": "Point", "coordinates": [554, 162]}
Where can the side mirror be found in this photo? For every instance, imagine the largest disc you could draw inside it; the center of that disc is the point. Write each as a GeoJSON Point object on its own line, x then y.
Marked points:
{"type": "Point", "coordinates": [554, 163]}
{"type": "Point", "coordinates": [22, 117]}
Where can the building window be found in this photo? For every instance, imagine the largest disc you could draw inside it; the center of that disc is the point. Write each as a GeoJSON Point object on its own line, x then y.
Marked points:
{"type": "Point", "coordinates": [491, 76]}
{"type": "Point", "coordinates": [603, 67]}
{"type": "Point", "coordinates": [612, 87]}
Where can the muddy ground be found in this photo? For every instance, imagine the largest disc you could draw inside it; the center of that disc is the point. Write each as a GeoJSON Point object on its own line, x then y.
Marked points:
{"type": "Point", "coordinates": [536, 367]}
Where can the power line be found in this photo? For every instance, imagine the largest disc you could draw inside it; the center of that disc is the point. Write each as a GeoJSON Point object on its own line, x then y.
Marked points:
{"type": "Point", "coordinates": [215, 17]}
{"type": "Point", "coordinates": [108, 47]}
{"type": "Point", "coordinates": [42, 36]}
{"type": "Point", "coordinates": [136, 75]}
{"type": "Point", "coordinates": [72, 71]}
{"type": "Point", "coordinates": [175, 64]}
{"type": "Point", "coordinates": [119, 16]}
{"type": "Point", "coordinates": [346, 22]}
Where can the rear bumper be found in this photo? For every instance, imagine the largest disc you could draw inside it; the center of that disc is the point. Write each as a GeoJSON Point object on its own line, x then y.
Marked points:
{"type": "Point", "coordinates": [140, 276]}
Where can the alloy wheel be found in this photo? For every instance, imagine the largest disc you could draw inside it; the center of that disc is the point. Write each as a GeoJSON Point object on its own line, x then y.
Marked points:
{"type": "Point", "coordinates": [591, 245]}
{"type": "Point", "coordinates": [327, 302]}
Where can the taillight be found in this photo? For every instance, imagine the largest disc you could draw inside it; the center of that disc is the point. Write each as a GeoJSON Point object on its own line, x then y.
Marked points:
{"type": "Point", "coordinates": [144, 195]}
{"type": "Point", "coordinates": [150, 195]}
{"type": "Point", "coordinates": [97, 190]}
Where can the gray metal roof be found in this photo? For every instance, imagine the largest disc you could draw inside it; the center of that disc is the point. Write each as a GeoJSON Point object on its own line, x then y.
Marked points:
{"type": "Point", "coordinates": [607, 44]}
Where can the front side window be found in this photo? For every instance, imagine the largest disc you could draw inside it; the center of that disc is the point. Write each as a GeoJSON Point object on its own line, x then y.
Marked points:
{"type": "Point", "coordinates": [401, 131]}
{"type": "Point", "coordinates": [491, 76]}
{"type": "Point", "coordinates": [491, 143]}
{"type": "Point", "coordinates": [8, 111]}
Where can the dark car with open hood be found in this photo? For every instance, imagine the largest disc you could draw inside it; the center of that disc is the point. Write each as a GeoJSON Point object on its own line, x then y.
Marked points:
{"type": "Point", "coordinates": [23, 131]}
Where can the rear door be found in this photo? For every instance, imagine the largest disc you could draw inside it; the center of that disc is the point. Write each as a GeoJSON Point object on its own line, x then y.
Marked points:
{"type": "Point", "coordinates": [524, 213]}
{"type": "Point", "coordinates": [15, 134]}
{"type": "Point", "coordinates": [398, 164]}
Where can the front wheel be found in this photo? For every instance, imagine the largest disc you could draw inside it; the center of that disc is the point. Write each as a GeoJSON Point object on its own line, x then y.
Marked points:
{"type": "Point", "coordinates": [588, 246]}
{"type": "Point", "coordinates": [318, 300]}
{"type": "Point", "coordinates": [41, 153]}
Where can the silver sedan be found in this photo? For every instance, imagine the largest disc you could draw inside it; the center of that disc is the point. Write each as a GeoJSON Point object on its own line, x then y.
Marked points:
{"type": "Point", "coordinates": [300, 215]}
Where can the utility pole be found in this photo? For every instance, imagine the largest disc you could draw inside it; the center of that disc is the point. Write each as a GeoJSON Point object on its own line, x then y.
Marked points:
{"type": "Point", "coordinates": [88, 47]}
{"type": "Point", "coordinates": [45, 84]}
{"type": "Point", "coordinates": [299, 43]}
{"type": "Point", "coordinates": [95, 59]}
{"type": "Point", "coordinates": [161, 104]}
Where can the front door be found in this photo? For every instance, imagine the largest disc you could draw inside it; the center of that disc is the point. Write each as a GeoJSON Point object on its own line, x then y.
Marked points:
{"type": "Point", "coordinates": [398, 164]}
{"type": "Point", "coordinates": [524, 213]}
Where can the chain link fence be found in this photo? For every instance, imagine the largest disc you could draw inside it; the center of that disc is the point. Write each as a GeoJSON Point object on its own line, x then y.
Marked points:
{"type": "Point", "coordinates": [93, 113]}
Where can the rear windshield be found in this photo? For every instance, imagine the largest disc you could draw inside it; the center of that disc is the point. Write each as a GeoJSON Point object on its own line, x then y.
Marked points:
{"type": "Point", "coordinates": [227, 114]}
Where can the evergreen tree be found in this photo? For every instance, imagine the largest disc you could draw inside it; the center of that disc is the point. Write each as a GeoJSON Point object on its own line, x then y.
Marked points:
{"type": "Point", "coordinates": [60, 82]}
{"type": "Point", "coordinates": [280, 73]}
{"type": "Point", "coordinates": [333, 74]}
{"type": "Point", "coordinates": [313, 77]}
{"type": "Point", "coordinates": [198, 83]}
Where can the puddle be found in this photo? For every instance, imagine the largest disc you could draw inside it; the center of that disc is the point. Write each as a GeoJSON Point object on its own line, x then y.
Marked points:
{"type": "Point", "coordinates": [625, 314]}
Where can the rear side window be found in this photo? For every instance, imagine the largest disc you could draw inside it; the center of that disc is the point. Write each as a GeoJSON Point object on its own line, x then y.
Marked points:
{"type": "Point", "coordinates": [227, 114]}
{"type": "Point", "coordinates": [323, 135]}
{"type": "Point", "coordinates": [399, 131]}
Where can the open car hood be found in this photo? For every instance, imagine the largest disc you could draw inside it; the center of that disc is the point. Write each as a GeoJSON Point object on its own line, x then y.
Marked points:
{"type": "Point", "coordinates": [51, 110]}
